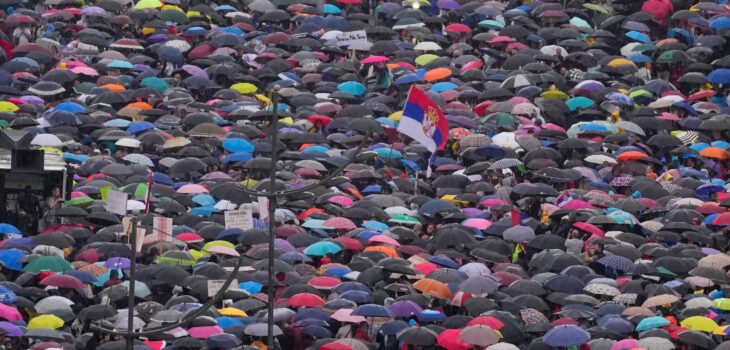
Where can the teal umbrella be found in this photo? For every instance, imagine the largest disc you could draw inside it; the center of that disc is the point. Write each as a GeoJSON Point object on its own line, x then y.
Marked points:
{"type": "Point", "coordinates": [331, 9]}
{"type": "Point", "coordinates": [155, 83]}
{"type": "Point", "coordinates": [352, 87]}
{"type": "Point", "coordinates": [579, 102]}
{"type": "Point", "coordinates": [652, 322]}
{"type": "Point", "coordinates": [322, 248]}
{"type": "Point", "coordinates": [388, 153]}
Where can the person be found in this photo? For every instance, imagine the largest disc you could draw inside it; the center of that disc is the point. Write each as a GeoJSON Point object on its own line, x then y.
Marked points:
{"type": "Point", "coordinates": [29, 206]}
{"type": "Point", "coordinates": [22, 34]}
{"type": "Point", "coordinates": [113, 279]}
{"type": "Point", "coordinates": [52, 204]}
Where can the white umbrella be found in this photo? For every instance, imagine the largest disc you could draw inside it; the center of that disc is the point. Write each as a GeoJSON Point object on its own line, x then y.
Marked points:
{"type": "Point", "coordinates": [48, 140]}
{"type": "Point", "coordinates": [141, 159]}
{"type": "Point", "coordinates": [134, 205]}
{"type": "Point", "coordinates": [427, 46]}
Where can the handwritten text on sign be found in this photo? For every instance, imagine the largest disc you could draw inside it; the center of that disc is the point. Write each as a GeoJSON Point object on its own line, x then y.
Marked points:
{"type": "Point", "coordinates": [241, 218]}
{"type": "Point", "coordinates": [350, 38]}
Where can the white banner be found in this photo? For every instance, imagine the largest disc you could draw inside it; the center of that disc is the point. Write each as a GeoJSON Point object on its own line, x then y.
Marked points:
{"type": "Point", "coordinates": [241, 218]}
{"type": "Point", "coordinates": [116, 202]}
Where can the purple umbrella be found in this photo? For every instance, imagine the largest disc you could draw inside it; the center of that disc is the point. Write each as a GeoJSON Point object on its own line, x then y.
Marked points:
{"type": "Point", "coordinates": [117, 263]}
{"type": "Point", "coordinates": [10, 329]}
{"type": "Point", "coordinates": [448, 5]}
{"type": "Point", "coordinates": [195, 71]}
{"type": "Point", "coordinates": [284, 245]}
{"type": "Point", "coordinates": [565, 336]}
{"type": "Point", "coordinates": [405, 309]}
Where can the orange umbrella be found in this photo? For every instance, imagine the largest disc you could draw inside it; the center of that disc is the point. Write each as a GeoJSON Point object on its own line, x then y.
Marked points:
{"type": "Point", "coordinates": [389, 251]}
{"type": "Point", "coordinates": [141, 105]}
{"type": "Point", "coordinates": [114, 87]}
{"type": "Point", "coordinates": [433, 287]}
{"type": "Point", "coordinates": [714, 152]}
{"type": "Point", "coordinates": [437, 74]}
{"type": "Point", "coordinates": [631, 155]}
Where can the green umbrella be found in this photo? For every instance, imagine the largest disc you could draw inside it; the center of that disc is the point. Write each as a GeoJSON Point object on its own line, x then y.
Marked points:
{"type": "Point", "coordinates": [599, 8]}
{"type": "Point", "coordinates": [645, 47]}
{"type": "Point", "coordinates": [404, 219]}
{"type": "Point", "coordinates": [79, 201]}
{"type": "Point", "coordinates": [48, 263]}
{"type": "Point", "coordinates": [500, 119]}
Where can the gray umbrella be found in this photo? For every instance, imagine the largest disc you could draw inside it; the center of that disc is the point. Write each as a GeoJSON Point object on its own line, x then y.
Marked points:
{"type": "Point", "coordinates": [260, 330]}
{"type": "Point", "coordinates": [478, 285]}
{"type": "Point", "coordinates": [519, 234]}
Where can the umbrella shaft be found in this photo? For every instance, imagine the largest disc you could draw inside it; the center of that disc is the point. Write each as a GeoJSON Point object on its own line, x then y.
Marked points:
{"type": "Point", "coordinates": [132, 271]}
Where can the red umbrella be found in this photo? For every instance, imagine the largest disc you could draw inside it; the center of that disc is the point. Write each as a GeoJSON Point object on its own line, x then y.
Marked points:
{"type": "Point", "coordinates": [489, 321]}
{"type": "Point", "coordinates": [201, 51]}
{"type": "Point", "coordinates": [335, 346]}
{"type": "Point", "coordinates": [701, 95]}
{"type": "Point", "coordinates": [189, 237]}
{"type": "Point", "coordinates": [449, 340]}
{"type": "Point", "coordinates": [350, 2]}
{"type": "Point", "coordinates": [722, 219]}
{"type": "Point", "coordinates": [89, 255]}
{"type": "Point", "coordinates": [316, 118]}
{"type": "Point", "coordinates": [14, 20]}
{"type": "Point", "coordinates": [25, 48]}
{"type": "Point", "coordinates": [62, 281]}
{"type": "Point", "coordinates": [457, 28]}
{"type": "Point", "coordinates": [589, 228]}
{"type": "Point", "coordinates": [340, 223]}
{"type": "Point", "coordinates": [305, 300]}
{"type": "Point", "coordinates": [350, 243]}
{"type": "Point", "coordinates": [324, 282]}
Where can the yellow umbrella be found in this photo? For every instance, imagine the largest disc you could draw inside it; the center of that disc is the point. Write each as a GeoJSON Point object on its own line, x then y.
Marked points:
{"type": "Point", "coordinates": [721, 304]}
{"type": "Point", "coordinates": [699, 323]}
{"type": "Point", "coordinates": [172, 7]}
{"type": "Point", "coordinates": [554, 94]}
{"type": "Point", "coordinates": [286, 120]}
{"type": "Point", "coordinates": [45, 321]}
{"type": "Point", "coordinates": [6, 106]}
{"type": "Point", "coordinates": [232, 312]}
{"type": "Point", "coordinates": [396, 116]}
{"type": "Point", "coordinates": [147, 4]}
{"type": "Point", "coordinates": [722, 330]}
{"type": "Point", "coordinates": [451, 198]}
{"type": "Point", "coordinates": [49, 149]}
{"type": "Point", "coordinates": [620, 62]}
{"type": "Point", "coordinates": [194, 14]}
{"type": "Point", "coordinates": [249, 183]}
{"type": "Point", "coordinates": [425, 59]}
{"type": "Point", "coordinates": [244, 88]}
{"type": "Point", "coordinates": [218, 243]}
{"type": "Point", "coordinates": [263, 99]}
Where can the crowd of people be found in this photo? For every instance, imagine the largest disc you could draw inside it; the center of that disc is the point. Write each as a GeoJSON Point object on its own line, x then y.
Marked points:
{"type": "Point", "coordinates": [581, 199]}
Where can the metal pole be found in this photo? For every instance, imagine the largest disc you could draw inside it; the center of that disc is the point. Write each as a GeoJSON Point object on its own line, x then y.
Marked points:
{"type": "Point", "coordinates": [132, 270]}
{"type": "Point", "coordinates": [272, 212]}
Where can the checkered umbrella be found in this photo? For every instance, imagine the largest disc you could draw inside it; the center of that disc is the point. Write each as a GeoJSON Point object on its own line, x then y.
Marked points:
{"type": "Point", "coordinates": [340, 223]}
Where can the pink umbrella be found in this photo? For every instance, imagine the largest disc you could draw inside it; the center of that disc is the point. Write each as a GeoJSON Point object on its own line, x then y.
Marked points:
{"type": "Point", "coordinates": [10, 313]}
{"type": "Point", "coordinates": [477, 223]}
{"type": "Point", "coordinates": [223, 250]}
{"type": "Point", "coordinates": [85, 71]}
{"type": "Point", "coordinates": [476, 64]}
{"type": "Point", "coordinates": [374, 59]}
{"type": "Point", "coordinates": [383, 239]}
{"type": "Point", "coordinates": [345, 315]}
{"type": "Point", "coordinates": [625, 344]}
{"type": "Point", "coordinates": [204, 332]}
{"type": "Point", "coordinates": [192, 188]}
{"type": "Point", "coordinates": [340, 223]}
{"type": "Point", "coordinates": [341, 200]}
{"type": "Point", "coordinates": [492, 202]}
{"type": "Point", "coordinates": [576, 204]}
{"type": "Point", "coordinates": [501, 39]}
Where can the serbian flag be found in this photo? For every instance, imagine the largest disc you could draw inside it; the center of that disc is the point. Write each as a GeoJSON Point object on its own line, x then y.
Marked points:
{"type": "Point", "coordinates": [423, 121]}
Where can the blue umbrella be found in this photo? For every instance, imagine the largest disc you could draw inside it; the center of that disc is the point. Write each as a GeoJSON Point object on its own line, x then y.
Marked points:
{"type": "Point", "coordinates": [720, 143]}
{"type": "Point", "coordinates": [408, 79]}
{"type": "Point", "coordinates": [7, 296]}
{"type": "Point", "coordinates": [652, 322]}
{"type": "Point", "coordinates": [638, 36]}
{"type": "Point", "coordinates": [620, 98]}
{"type": "Point", "coordinates": [155, 83]}
{"type": "Point", "coordinates": [331, 9]}
{"type": "Point", "coordinates": [706, 189]}
{"type": "Point", "coordinates": [238, 145]}
{"type": "Point", "coordinates": [170, 54]}
{"type": "Point", "coordinates": [431, 316]}
{"type": "Point", "coordinates": [616, 262]}
{"type": "Point", "coordinates": [229, 234]}
{"type": "Point", "coordinates": [238, 157]}
{"type": "Point", "coordinates": [84, 276]}
{"type": "Point", "coordinates": [719, 76]}
{"type": "Point", "coordinates": [372, 189]}
{"type": "Point", "coordinates": [616, 323]}
{"type": "Point", "coordinates": [233, 30]}
{"type": "Point", "coordinates": [138, 127]}
{"type": "Point", "coordinates": [372, 310]}
{"type": "Point", "coordinates": [443, 86]}
{"type": "Point", "coordinates": [491, 151]}
{"type": "Point", "coordinates": [70, 107]}
{"type": "Point", "coordinates": [317, 332]}
{"type": "Point", "coordinates": [225, 322]}
{"type": "Point", "coordinates": [388, 153]}
{"type": "Point", "coordinates": [322, 248]}
{"type": "Point", "coordinates": [338, 272]}
{"type": "Point", "coordinates": [435, 206]}
{"type": "Point", "coordinates": [352, 87]}
{"type": "Point", "coordinates": [311, 322]}
{"type": "Point", "coordinates": [375, 225]}
{"type": "Point", "coordinates": [10, 258]}
{"type": "Point", "coordinates": [204, 199]}
{"type": "Point", "coordinates": [294, 258]}
{"type": "Point", "coordinates": [639, 58]}
{"type": "Point", "coordinates": [566, 336]}
{"type": "Point", "coordinates": [443, 260]}
{"type": "Point", "coordinates": [392, 327]}
{"type": "Point", "coordinates": [8, 228]}
{"type": "Point", "coordinates": [720, 23]}
{"type": "Point", "coordinates": [117, 123]}
{"type": "Point", "coordinates": [312, 313]}
{"type": "Point", "coordinates": [121, 64]}
{"type": "Point", "coordinates": [356, 296]}
{"type": "Point", "coordinates": [195, 31]}
{"type": "Point", "coordinates": [251, 287]}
